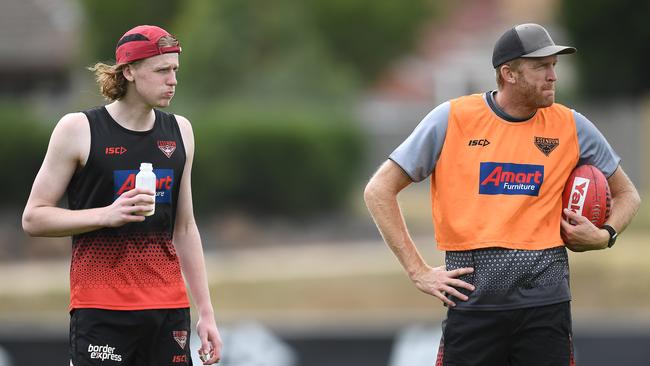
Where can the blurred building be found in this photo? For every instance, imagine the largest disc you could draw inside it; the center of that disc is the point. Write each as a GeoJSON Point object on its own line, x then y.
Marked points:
{"type": "Point", "coordinates": [39, 41]}
{"type": "Point", "coordinates": [453, 56]}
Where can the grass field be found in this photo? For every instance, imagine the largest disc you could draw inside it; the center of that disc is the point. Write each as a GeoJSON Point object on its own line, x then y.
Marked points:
{"type": "Point", "coordinates": [348, 285]}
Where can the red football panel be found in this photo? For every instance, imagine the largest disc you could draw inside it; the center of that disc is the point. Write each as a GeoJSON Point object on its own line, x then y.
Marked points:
{"type": "Point", "coordinates": [587, 193]}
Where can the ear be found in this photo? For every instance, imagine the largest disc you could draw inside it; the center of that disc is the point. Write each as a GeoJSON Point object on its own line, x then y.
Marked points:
{"type": "Point", "coordinates": [128, 71]}
{"type": "Point", "coordinates": [508, 74]}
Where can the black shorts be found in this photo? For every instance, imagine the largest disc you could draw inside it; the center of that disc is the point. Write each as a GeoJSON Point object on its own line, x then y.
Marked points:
{"type": "Point", "coordinates": [538, 336]}
{"type": "Point", "coordinates": [130, 338]}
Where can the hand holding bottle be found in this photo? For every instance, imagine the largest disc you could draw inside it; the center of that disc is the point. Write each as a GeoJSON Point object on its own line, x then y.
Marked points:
{"type": "Point", "coordinates": [146, 179]}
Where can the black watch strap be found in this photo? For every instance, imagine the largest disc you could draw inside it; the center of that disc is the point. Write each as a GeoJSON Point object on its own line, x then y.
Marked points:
{"type": "Point", "coordinates": [613, 235]}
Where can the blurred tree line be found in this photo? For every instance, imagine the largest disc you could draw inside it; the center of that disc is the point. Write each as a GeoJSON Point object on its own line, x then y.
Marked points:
{"type": "Point", "coordinates": [613, 41]}
{"type": "Point", "coordinates": [270, 87]}
{"type": "Point", "coordinates": [315, 48]}
{"type": "Point", "coordinates": [23, 143]}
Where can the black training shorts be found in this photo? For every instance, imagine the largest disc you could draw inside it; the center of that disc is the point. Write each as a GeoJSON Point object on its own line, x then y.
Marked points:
{"type": "Point", "coordinates": [537, 336]}
{"type": "Point", "coordinates": [158, 337]}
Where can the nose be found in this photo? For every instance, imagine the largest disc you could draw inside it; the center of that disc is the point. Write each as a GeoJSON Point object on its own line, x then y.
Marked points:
{"type": "Point", "coordinates": [171, 80]}
{"type": "Point", "coordinates": [551, 74]}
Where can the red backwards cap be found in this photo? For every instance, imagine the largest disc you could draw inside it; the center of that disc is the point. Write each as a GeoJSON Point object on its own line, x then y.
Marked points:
{"type": "Point", "coordinates": [142, 42]}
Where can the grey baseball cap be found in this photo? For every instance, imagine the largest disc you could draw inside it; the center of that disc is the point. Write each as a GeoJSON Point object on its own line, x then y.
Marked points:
{"type": "Point", "coordinates": [526, 40]}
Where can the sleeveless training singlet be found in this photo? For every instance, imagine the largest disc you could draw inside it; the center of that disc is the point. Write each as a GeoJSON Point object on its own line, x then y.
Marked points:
{"type": "Point", "coordinates": [504, 278]}
{"type": "Point", "coordinates": [135, 266]}
{"type": "Point", "coordinates": [498, 183]}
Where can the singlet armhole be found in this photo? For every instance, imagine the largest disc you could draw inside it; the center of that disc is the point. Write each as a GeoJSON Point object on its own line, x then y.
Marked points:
{"type": "Point", "coordinates": [177, 126]}
{"type": "Point", "coordinates": [90, 156]}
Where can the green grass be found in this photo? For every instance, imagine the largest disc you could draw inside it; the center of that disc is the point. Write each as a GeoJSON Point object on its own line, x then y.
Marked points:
{"type": "Point", "coordinates": [363, 280]}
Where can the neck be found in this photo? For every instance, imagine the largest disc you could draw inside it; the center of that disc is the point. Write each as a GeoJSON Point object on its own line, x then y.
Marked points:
{"type": "Point", "coordinates": [513, 104]}
{"type": "Point", "coordinates": [132, 115]}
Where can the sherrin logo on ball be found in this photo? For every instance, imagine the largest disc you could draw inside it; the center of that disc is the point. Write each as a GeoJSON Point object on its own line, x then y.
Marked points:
{"type": "Point", "coordinates": [587, 193]}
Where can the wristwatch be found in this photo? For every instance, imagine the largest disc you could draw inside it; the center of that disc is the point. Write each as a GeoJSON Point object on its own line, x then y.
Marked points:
{"type": "Point", "coordinates": [612, 235]}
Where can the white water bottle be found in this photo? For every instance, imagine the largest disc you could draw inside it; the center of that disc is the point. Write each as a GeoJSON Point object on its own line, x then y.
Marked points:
{"type": "Point", "coordinates": [146, 179]}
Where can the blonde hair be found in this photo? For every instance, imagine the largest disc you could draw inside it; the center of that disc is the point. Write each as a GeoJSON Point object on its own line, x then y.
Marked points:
{"type": "Point", "coordinates": [514, 66]}
{"type": "Point", "coordinates": [167, 41]}
{"type": "Point", "coordinates": [111, 80]}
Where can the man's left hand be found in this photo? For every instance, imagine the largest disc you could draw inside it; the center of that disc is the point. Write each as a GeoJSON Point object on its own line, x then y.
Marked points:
{"type": "Point", "coordinates": [210, 351]}
{"type": "Point", "coordinates": [580, 235]}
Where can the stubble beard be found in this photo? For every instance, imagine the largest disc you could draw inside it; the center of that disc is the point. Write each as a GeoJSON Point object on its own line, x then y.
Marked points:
{"type": "Point", "coordinates": [533, 97]}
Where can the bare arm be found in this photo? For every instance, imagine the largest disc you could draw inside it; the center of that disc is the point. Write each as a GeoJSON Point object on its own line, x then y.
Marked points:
{"type": "Point", "coordinates": [67, 151]}
{"type": "Point", "coordinates": [381, 198]}
{"type": "Point", "coordinates": [625, 202]}
{"type": "Point", "coordinates": [187, 242]}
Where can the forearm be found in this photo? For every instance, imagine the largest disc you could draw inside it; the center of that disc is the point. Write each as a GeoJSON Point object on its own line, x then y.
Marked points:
{"type": "Point", "coordinates": [624, 207]}
{"type": "Point", "coordinates": [50, 221]}
{"type": "Point", "coordinates": [385, 211]}
{"type": "Point", "coordinates": [187, 242]}
{"type": "Point", "coordinates": [625, 200]}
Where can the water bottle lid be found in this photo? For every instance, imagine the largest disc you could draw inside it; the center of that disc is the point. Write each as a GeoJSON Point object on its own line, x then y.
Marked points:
{"type": "Point", "coordinates": [146, 166]}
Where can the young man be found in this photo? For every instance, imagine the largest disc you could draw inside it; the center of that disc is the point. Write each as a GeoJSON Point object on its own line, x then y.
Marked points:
{"type": "Point", "coordinates": [128, 302]}
{"type": "Point", "coordinates": [506, 278]}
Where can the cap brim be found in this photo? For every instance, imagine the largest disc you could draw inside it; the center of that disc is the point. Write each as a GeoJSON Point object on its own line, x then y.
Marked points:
{"type": "Point", "coordinates": [550, 51]}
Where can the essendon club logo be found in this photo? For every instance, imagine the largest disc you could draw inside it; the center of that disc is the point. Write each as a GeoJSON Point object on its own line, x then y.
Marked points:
{"type": "Point", "coordinates": [167, 147]}
{"type": "Point", "coordinates": [115, 150]}
{"type": "Point", "coordinates": [180, 336]}
{"type": "Point", "coordinates": [124, 180]}
{"type": "Point", "coordinates": [546, 144]}
{"type": "Point", "coordinates": [510, 178]}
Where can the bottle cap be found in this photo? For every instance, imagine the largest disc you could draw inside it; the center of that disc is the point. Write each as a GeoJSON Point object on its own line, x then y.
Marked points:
{"type": "Point", "coordinates": [146, 166]}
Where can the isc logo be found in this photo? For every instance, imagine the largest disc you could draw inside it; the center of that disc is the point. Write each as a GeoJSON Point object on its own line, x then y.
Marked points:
{"type": "Point", "coordinates": [179, 358]}
{"type": "Point", "coordinates": [115, 150]}
{"type": "Point", "coordinates": [578, 194]}
{"type": "Point", "coordinates": [481, 142]}
{"type": "Point", "coordinates": [510, 178]}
